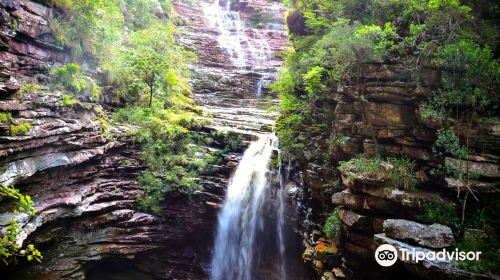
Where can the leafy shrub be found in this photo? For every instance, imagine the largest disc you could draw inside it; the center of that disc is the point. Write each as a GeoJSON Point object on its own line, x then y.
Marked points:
{"type": "Point", "coordinates": [470, 79]}
{"type": "Point", "coordinates": [67, 100]}
{"type": "Point", "coordinates": [9, 249]}
{"type": "Point", "coordinates": [153, 192]}
{"type": "Point", "coordinates": [333, 224]}
{"type": "Point", "coordinates": [488, 245]}
{"type": "Point", "coordinates": [29, 87]}
{"type": "Point", "coordinates": [70, 78]}
{"type": "Point", "coordinates": [447, 142]}
{"type": "Point", "coordinates": [20, 129]}
{"type": "Point", "coordinates": [441, 212]}
{"type": "Point", "coordinates": [5, 117]}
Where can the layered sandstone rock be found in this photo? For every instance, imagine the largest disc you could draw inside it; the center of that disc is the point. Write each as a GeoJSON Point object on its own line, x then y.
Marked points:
{"type": "Point", "coordinates": [388, 123]}
{"type": "Point", "coordinates": [82, 180]}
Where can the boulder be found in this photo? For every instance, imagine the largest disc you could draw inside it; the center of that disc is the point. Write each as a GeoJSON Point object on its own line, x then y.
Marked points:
{"type": "Point", "coordinates": [432, 236]}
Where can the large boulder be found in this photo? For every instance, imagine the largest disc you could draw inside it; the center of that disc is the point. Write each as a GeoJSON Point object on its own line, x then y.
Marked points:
{"type": "Point", "coordinates": [432, 236]}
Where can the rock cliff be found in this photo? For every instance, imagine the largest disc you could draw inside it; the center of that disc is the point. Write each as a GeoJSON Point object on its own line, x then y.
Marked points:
{"type": "Point", "coordinates": [372, 212]}
{"type": "Point", "coordinates": [81, 173]}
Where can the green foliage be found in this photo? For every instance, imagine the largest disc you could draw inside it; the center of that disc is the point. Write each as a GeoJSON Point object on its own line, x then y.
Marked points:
{"type": "Point", "coordinates": [165, 137]}
{"type": "Point", "coordinates": [9, 247]}
{"type": "Point", "coordinates": [24, 201]}
{"type": "Point", "coordinates": [70, 78]}
{"type": "Point", "coordinates": [5, 118]}
{"type": "Point", "coordinates": [29, 87]}
{"type": "Point", "coordinates": [441, 212]}
{"type": "Point", "coordinates": [19, 129]}
{"type": "Point", "coordinates": [154, 192]}
{"type": "Point", "coordinates": [333, 224]}
{"type": "Point", "coordinates": [483, 225]}
{"type": "Point", "coordinates": [143, 66]}
{"type": "Point", "coordinates": [312, 80]}
{"type": "Point", "coordinates": [67, 100]}
{"type": "Point", "coordinates": [340, 36]}
{"type": "Point", "coordinates": [487, 245]}
{"type": "Point", "coordinates": [447, 142]}
{"type": "Point", "coordinates": [470, 80]}
{"type": "Point", "coordinates": [10, 250]}
{"type": "Point", "coordinates": [335, 140]}
{"type": "Point", "coordinates": [397, 171]}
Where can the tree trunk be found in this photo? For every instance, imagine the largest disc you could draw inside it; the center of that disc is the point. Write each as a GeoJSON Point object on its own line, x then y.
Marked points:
{"type": "Point", "coordinates": [150, 96]}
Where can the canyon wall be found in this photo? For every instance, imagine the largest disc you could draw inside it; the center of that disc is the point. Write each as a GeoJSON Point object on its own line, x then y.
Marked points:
{"type": "Point", "coordinates": [371, 211]}
{"type": "Point", "coordinates": [81, 173]}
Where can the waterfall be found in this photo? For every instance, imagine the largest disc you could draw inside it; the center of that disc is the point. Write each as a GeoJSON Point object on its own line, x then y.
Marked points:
{"type": "Point", "coordinates": [251, 224]}
{"type": "Point", "coordinates": [244, 51]}
{"type": "Point", "coordinates": [240, 218]}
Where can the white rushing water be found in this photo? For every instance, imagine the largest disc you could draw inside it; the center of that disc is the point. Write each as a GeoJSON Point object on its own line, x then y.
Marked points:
{"type": "Point", "coordinates": [240, 218]}
{"type": "Point", "coordinates": [250, 50]}
{"type": "Point", "coordinates": [241, 221]}
{"type": "Point", "coordinates": [243, 50]}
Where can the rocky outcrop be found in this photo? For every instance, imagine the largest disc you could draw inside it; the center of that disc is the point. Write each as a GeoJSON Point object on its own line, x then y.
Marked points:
{"type": "Point", "coordinates": [433, 236]}
{"type": "Point", "coordinates": [371, 210]}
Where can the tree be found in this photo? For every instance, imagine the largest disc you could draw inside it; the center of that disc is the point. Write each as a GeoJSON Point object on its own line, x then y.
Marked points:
{"type": "Point", "coordinates": [148, 56]}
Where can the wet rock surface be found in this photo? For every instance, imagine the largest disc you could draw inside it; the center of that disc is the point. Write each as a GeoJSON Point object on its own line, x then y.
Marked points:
{"type": "Point", "coordinates": [371, 210]}
{"type": "Point", "coordinates": [82, 181]}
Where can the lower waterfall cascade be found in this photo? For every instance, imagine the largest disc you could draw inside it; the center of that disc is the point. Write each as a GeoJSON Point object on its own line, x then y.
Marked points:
{"type": "Point", "coordinates": [241, 218]}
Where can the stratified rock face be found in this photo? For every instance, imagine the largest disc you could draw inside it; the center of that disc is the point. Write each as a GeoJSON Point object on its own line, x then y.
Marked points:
{"type": "Point", "coordinates": [88, 225]}
{"type": "Point", "coordinates": [26, 42]}
{"type": "Point", "coordinates": [388, 122]}
{"type": "Point", "coordinates": [237, 59]}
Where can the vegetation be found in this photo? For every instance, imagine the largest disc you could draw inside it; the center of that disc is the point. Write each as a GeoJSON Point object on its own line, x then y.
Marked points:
{"type": "Point", "coordinates": [133, 43]}
{"type": "Point", "coordinates": [397, 171]}
{"type": "Point", "coordinates": [441, 211]}
{"type": "Point", "coordinates": [70, 78]}
{"type": "Point", "coordinates": [30, 87]}
{"type": "Point", "coordinates": [337, 37]}
{"type": "Point", "coordinates": [20, 129]}
{"type": "Point", "coordinates": [483, 225]}
{"type": "Point", "coordinates": [333, 41]}
{"type": "Point", "coordinates": [10, 250]}
{"type": "Point", "coordinates": [332, 225]}
{"type": "Point", "coordinates": [5, 118]}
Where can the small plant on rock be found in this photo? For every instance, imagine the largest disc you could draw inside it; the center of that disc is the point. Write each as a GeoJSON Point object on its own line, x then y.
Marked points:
{"type": "Point", "coordinates": [20, 129]}
{"type": "Point", "coordinates": [332, 225]}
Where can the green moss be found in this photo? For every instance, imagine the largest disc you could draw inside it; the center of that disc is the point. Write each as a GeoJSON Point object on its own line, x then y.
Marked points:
{"type": "Point", "coordinates": [19, 129]}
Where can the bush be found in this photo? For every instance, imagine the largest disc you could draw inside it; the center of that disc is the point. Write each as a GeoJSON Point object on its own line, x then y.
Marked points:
{"type": "Point", "coordinates": [20, 129]}
{"type": "Point", "coordinates": [5, 118]}
{"type": "Point", "coordinates": [333, 224]}
{"type": "Point", "coordinates": [488, 245]}
{"type": "Point", "coordinates": [9, 249]}
{"type": "Point", "coordinates": [70, 78]}
{"type": "Point", "coordinates": [153, 192]}
{"type": "Point", "coordinates": [470, 80]}
{"type": "Point", "coordinates": [441, 212]}
{"type": "Point", "coordinates": [67, 100]}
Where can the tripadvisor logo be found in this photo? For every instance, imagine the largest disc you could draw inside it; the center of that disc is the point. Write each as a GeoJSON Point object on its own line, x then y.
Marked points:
{"type": "Point", "coordinates": [387, 255]}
